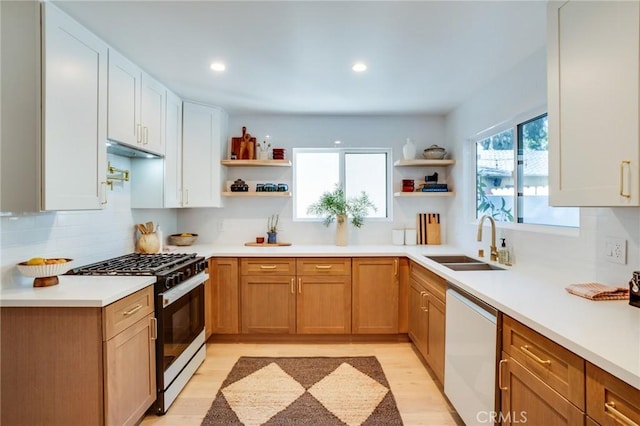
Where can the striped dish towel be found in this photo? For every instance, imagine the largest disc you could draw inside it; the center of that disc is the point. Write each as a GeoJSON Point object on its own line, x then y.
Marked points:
{"type": "Point", "coordinates": [598, 291]}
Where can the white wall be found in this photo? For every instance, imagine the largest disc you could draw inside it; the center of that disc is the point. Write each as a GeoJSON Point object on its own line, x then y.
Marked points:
{"type": "Point", "coordinates": [85, 236]}
{"type": "Point", "coordinates": [579, 254]}
{"type": "Point", "coordinates": [242, 219]}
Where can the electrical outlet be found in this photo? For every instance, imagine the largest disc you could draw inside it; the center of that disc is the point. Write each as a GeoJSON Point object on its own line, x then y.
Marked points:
{"type": "Point", "coordinates": [615, 250]}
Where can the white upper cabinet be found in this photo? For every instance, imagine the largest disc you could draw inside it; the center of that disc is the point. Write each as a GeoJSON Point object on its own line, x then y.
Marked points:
{"type": "Point", "coordinates": [204, 131]}
{"type": "Point", "coordinates": [54, 111]}
{"type": "Point", "coordinates": [593, 101]}
{"type": "Point", "coordinates": [136, 106]}
{"type": "Point", "coordinates": [173, 155]}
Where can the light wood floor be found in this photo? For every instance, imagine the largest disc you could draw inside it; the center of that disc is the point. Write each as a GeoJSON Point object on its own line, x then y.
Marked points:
{"type": "Point", "coordinates": [418, 398]}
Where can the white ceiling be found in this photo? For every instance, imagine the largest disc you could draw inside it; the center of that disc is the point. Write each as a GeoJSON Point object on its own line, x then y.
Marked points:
{"type": "Point", "coordinates": [424, 57]}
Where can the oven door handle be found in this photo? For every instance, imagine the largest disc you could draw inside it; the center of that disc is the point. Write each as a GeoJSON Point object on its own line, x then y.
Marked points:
{"type": "Point", "coordinates": [183, 288]}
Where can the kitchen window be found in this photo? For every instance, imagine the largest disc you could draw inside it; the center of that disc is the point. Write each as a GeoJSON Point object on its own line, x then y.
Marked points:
{"type": "Point", "coordinates": [512, 175]}
{"type": "Point", "coordinates": [316, 171]}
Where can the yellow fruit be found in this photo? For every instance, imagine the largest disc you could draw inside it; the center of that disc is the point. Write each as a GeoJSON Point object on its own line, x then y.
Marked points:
{"type": "Point", "coordinates": [36, 261]}
{"type": "Point", "coordinates": [62, 260]}
{"type": "Point", "coordinates": [50, 261]}
{"type": "Point", "coordinates": [185, 235]}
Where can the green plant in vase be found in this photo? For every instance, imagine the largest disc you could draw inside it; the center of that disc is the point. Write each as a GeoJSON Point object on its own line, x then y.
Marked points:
{"type": "Point", "coordinates": [336, 206]}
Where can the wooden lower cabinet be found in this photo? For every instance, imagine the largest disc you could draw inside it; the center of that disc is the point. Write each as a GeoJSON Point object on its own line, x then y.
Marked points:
{"type": "Point", "coordinates": [435, 335]}
{"type": "Point", "coordinates": [323, 305]}
{"type": "Point", "coordinates": [527, 399]}
{"type": "Point", "coordinates": [427, 316]}
{"type": "Point", "coordinates": [610, 401]}
{"type": "Point", "coordinates": [223, 314]}
{"type": "Point", "coordinates": [375, 295]}
{"type": "Point", "coordinates": [418, 331]}
{"type": "Point", "coordinates": [130, 373]}
{"type": "Point", "coordinates": [268, 304]}
{"type": "Point", "coordinates": [78, 365]}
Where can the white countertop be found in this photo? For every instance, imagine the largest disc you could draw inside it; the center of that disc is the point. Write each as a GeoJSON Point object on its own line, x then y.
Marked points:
{"type": "Point", "coordinates": [605, 333]}
{"type": "Point", "coordinates": [75, 291]}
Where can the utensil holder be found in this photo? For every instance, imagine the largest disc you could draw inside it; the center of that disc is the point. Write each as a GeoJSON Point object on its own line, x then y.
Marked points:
{"type": "Point", "coordinates": [148, 243]}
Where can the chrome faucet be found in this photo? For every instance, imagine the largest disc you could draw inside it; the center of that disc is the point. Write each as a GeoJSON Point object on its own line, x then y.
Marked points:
{"type": "Point", "coordinates": [494, 249]}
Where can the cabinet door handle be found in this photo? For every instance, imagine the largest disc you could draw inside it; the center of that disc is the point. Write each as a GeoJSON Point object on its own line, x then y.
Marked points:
{"type": "Point", "coordinates": [622, 164]}
{"type": "Point", "coordinates": [154, 328]}
{"type": "Point", "coordinates": [611, 408]}
{"type": "Point", "coordinates": [324, 266]}
{"type": "Point", "coordinates": [132, 311]}
{"type": "Point", "coordinates": [268, 266]}
{"type": "Point", "coordinates": [139, 133]}
{"type": "Point", "coordinates": [104, 193]}
{"type": "Point", "coordinates": [145, 140]}
{"type": "Point", "coordinates": [533, 356]}
{"type": "Point", "coordinates": [300, 285]}
{"type": "Point", "coordinates": [504, 388]}
{"type": "Point", "coordinates": [292, 284]}
{"type": "Point", "coordinates": [395, 267]}
{"type": "Point", "coordinates": [423, 298]}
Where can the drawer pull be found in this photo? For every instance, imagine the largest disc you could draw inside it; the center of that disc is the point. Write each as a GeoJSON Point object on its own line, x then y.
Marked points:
{"type": "Point", "coordinates": [504, 388]}
{"type": "Point", "coordinates": [533, 356]}
{"type": "Point", "coordinates": [132, 311]}
{"type": "Point", "coordinates": [268, 266]}
{"type": "Point", "coordinates": [324, 266]}
{"type": "Point", "coordinates": [611, 408]}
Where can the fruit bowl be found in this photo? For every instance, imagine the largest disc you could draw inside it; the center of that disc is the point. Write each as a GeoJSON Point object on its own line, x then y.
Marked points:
{"type": "Point", "coordinates": [184, 239]}
{"type": "Point", "coordinates": [45, 274]}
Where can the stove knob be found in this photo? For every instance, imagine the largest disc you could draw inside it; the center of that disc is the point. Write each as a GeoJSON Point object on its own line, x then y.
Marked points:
{"type": "Point", "coordinates": [179, 277]}
{"type": "Point", "coordinates": [168, 282]}
{"type": "Point", "coordinates": [187, 274]}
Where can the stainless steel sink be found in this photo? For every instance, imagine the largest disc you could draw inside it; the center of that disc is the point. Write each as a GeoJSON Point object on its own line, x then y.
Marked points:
{"type": "Point", "coordinates": [453, 258]}
{"type": "Point", "coordinates": [480, 266]}
{"type": "Point", "coordinates": [461, 262]}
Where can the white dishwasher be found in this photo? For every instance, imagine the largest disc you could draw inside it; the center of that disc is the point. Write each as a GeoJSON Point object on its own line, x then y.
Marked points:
{"type": "Point", "coordinates": [470, 356]}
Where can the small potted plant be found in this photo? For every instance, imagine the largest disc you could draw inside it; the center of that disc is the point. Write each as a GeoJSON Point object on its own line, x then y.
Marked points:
{"type": "Point", "coordinates": [335, 205]}
{"type": "Point", "coordinates": [272, 228]}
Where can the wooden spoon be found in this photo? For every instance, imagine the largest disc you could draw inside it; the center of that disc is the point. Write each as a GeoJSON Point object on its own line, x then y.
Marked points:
{"type": "Point", "coordinates": [149, 226]}
{"type": "Point", "coordinates": [141, 228]}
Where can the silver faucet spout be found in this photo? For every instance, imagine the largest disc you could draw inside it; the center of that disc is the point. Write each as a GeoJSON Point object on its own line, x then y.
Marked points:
{"type": "Point", "coordinates": [494, 248]}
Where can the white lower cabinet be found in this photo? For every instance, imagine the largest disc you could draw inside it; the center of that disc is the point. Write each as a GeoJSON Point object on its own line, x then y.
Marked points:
{"type": "Point", "coordinates": [54, 115]}
{"type": "Point", "coordinates": [204, 131]}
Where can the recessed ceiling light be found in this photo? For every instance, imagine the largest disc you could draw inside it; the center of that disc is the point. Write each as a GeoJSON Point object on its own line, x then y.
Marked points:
{"type": "Point", "coordinates": [359, 67]}
{"type": "Point", "coordinates": [218, 66]}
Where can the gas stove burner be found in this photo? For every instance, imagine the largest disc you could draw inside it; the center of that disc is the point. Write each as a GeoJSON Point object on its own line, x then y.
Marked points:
{"type": "Point", "coordinates": [170, 269]}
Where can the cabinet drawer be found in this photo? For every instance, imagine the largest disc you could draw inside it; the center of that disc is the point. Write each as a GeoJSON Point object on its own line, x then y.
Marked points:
{"type": "Point", "coordinates": [268, 266]}
{"type": "Point", "coordinates": [434, 283]}
{"type": "Point", "coordinates": [558, 367]}
{"type": "Point", "coordinates": [324, 266]}
{"type": "Point", "coordinates": [125, 312]}
{"type": "Point", "coordinates": [610, 401]}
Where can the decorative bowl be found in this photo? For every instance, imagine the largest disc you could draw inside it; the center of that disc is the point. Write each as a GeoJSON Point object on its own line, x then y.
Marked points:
{"type": "Point", "coordinates": [45, 274]}
{"type": "Point", "coordinates": [434, 152]}
{"type": "Point", "coordinates": [183, 240]}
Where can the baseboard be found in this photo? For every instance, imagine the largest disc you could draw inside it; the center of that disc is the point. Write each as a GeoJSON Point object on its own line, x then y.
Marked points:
{"type": "Point", "coordinates": [309, 338]}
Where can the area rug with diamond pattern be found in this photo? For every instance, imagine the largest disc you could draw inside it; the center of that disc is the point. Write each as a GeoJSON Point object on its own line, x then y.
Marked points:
{"type": "Point", "coordinates": [305, 391]}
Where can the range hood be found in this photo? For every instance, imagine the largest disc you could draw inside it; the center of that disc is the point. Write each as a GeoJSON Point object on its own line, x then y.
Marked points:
{"type": "Point", "coordinates": [127, 151]}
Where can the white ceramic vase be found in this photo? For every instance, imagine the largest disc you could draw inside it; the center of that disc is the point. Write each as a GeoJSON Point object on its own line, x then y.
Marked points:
{"type": "Point", "coordinates": [342, 225]}
{"type": "Point", "coordinates": [409, 150]}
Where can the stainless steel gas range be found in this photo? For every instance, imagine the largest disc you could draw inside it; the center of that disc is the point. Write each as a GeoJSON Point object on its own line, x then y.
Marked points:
{"type": "Point", "coordinates": [179, 307]}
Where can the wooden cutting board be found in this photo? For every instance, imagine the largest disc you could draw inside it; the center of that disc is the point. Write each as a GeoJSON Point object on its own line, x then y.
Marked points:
{"type": "Point", "coordinates": [433, 228]}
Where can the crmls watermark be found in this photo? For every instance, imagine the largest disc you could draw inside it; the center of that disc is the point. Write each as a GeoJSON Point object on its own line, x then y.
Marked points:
{"type": "Point", "coordinates": [511, 417]}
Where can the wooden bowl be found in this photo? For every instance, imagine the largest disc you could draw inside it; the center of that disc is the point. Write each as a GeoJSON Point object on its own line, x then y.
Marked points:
{"type": "Point", "coordinates": [179, 240]}
{"type": "Point", "coordinates": [47, 274]}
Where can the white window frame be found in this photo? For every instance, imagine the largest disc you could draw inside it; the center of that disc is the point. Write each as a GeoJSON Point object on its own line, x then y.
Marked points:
{"type": "Point", "coordinates": [471, 170]}
{"type": "Point", "coordinates": [341, 155]}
